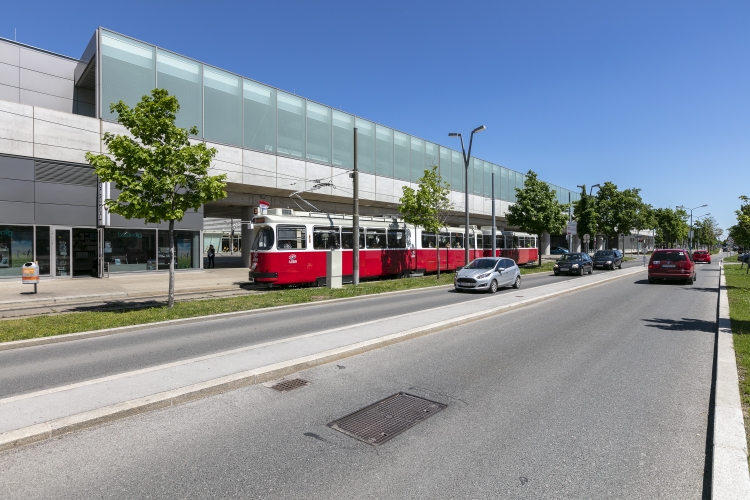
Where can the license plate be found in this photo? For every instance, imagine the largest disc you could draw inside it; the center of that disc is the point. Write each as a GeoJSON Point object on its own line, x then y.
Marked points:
{"type": "Point", "coordinates": [668, 265]}
{"type": "Point", "coordinates": [564, 269]}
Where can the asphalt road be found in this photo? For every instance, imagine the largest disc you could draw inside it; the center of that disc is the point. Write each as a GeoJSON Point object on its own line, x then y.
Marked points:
{"type": "Point", "coordinates": [43, 367]}
{"type": "Point", "coordinates": [601, 393]}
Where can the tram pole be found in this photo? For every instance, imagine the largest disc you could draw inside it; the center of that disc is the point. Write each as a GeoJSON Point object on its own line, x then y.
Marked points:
{"type": "Point", "coordinates": [494, 229]}
{"type": "Point", "coordinates": [355, 217]}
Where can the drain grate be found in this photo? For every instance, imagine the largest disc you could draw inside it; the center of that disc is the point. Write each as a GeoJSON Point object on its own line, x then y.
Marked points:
{"type": "Point", "coordinates": [381, 421]}
{"type": "Point", "coordinates": [288, 385]}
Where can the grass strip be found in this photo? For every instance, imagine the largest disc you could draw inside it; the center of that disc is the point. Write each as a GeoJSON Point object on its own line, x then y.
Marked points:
{"type": "Point", "coordinates": [738, 289]}
{"type": "Point", "coordinates": [546, 267]}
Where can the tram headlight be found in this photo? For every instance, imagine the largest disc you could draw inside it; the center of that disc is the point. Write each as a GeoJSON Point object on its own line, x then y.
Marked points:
{"type": "Point", "coordinates": [254, 265]}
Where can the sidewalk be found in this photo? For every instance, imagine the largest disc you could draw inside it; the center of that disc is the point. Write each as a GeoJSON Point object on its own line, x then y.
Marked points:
{"type": "Point", "coordinates": [61, 294]}
{"type": "Point", "coordinates": [40, 415]}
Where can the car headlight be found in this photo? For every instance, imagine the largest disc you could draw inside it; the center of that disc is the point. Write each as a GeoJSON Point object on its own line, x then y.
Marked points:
{"type": "Point", "coordinates": [609, 262]}
{"type": "Point", "coordinates": [574, 266]}
{"type": "Point", "coordinates": [483, 275]}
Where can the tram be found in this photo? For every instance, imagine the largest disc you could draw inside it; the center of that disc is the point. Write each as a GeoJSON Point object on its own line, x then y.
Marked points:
{"type": "Point", "coordinates": [290, 247]}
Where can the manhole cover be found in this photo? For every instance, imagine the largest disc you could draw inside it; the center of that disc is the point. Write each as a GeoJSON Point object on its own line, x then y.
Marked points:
{"type": "Point", "coordinates": [288, 385]}
{"type": "Point", "coordinates": [381, 421]}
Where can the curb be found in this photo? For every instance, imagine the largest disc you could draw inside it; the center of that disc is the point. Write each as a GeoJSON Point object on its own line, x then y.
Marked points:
{"type": "Point", "coordinates": [46, 430]}
{"type": "Point", "coordinates": [730, 475]}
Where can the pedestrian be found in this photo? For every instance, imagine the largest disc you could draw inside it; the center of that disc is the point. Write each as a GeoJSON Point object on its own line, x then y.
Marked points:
{"type": "Point", "coordinates": [211, 254]}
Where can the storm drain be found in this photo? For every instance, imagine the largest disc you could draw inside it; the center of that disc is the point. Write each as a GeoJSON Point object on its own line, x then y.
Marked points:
{"type": "Point", "coordinates": [288, 385]}
{"type": "Point", "coordinates": [381, 421]}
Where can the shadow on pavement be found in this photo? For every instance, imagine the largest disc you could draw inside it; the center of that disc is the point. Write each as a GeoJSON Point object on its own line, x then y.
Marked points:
{"type": "Point", "coordinates": [682, 325]}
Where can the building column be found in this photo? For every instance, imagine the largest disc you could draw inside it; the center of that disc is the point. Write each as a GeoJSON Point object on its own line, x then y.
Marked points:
{"type": "Point", "coordinates": [576, 243]}
{"type": "Point", "coordinates": [544, 244]}
{"type": "Point", "coordinates": [246, 216]}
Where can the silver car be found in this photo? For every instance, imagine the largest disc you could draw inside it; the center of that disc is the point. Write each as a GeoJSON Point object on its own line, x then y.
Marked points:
{"type": "Point", "coordinates": [488, 274]}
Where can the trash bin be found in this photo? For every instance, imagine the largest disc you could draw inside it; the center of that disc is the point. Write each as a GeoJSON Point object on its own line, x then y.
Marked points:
{"type": "Point", "coordinates": [30, 274]}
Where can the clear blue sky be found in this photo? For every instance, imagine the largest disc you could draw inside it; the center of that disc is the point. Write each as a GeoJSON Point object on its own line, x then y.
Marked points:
{"type": "Point", "coordinates": [648, 94]}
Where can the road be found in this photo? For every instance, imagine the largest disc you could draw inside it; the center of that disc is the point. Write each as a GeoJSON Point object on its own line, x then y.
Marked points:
{"type": "Point", "coordinates": [43, 367]}
{"type": "Point", "coordinates": [600, 393]}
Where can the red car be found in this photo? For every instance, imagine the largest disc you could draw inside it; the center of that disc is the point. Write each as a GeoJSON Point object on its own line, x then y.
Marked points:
{"type": "Point", "coordinates": [702, 256]}
{"type": "Point", "coordinates": [671, 264]}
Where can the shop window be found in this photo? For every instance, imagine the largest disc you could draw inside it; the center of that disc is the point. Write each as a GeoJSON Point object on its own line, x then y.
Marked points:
{"type": "Point", "coordinates": [130, 249]}
{"type": "Point", "coordinates": [16, 248]}
{"type": "Point", "coordinates": [186, 246]}
{"type": "Point", "coordinates": [42, 249]}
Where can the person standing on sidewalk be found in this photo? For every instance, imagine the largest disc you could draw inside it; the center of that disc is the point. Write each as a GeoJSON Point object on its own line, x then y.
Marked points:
{"type": "Point", "coordinates": [211, 254]}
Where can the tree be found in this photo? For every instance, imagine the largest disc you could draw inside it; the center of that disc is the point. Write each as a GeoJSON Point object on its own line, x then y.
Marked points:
{"type": "Point", "coordinates": [537, 210]}
{"type": "Point", "coordinates": [644, 219]}
{"type": "Point", "coordinates": [159, 173]}
{"type": "Point", "coordinates": [629, 205]}
{"type": "Point", "coordinates": [608, 204]}
{"type": "Point", "coordinates": [429, 206]}
{"type": "Point", "coordinates": [585, 214]}
{"type": "Point", "coordinates": [671, 226]}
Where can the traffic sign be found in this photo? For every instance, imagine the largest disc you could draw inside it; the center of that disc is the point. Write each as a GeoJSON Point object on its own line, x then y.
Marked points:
{"type": "Point", "coordinates": [586, 238]}
{"type": "Point", "coordinates": [572, 226]}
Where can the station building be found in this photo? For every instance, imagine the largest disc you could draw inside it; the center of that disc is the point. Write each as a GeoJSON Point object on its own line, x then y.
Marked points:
{"type": "Point", "coordinates": [271, 144]}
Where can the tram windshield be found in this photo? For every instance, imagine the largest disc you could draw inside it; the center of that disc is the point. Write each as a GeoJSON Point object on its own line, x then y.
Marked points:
{"type": "Point", "coordinates": [482, 264]}
{"type": "Point", "coordinates": [263, 238]}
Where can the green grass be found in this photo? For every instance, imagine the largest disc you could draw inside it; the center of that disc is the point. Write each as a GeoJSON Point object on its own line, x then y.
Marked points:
{"type": "Point", "coordinates": [738, 288]}
{"type": "Point", "coordinates": [60, 324]}
{"type": "Point", "coordinates": [546, 267]}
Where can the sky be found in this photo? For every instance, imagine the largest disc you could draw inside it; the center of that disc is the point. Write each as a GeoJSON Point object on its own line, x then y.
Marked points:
{"type": "Point", "coordinates": [651, 95]}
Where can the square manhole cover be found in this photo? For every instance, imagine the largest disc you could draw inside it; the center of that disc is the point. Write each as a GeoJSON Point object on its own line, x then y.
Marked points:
{"type": "Point", "coordinates": [381, 421]}
{"type": "Point", "coordinates": [288, 385]}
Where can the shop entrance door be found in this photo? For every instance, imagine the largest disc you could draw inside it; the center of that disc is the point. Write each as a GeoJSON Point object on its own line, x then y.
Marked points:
{"type": "Point", "coordinates": [61, 262]}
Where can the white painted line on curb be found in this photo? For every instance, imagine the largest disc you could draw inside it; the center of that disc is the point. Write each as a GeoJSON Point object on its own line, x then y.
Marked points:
{"type": "Point", "coordinates": [730, 476]}
{"type": "Point", "coordinates": [46, 430]}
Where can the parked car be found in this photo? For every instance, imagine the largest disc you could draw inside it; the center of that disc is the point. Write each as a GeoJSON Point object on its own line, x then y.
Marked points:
{"type": "Point", "coordinates": [608, 258]}
{"type": "Point", "coordinates": [701, 256]}
{"type": "Point", "coordinates": [488, 274]}
{"type": "Point", "coordinates": [744, 257]}
{"type": "Point", "coordinates": [558, 251]}
{"type": "Point", "coordinates": [574, 263]}
{"type": "Point", "coordinates": [671, 264]}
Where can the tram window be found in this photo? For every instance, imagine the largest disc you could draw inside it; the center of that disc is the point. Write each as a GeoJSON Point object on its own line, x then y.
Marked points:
{"type": "Point", "coordinates": [396, 238]}
{"type": "Point", "coordinates": [471, 241]}
{"type": "Point", "coordinates": [375, 238]}
{"type": "Point", "coordinates": [444, 240]}
{"type": "Point", "coordinates": [347, 240]}
{"type": "Point", "coordinates": [326, 238]}
{"type": "Point", "coordinates": [263, 238]}
{"type": "Point", "coordinates": [487, 241]}
{"type": "Point", "coordinates": [292, 237]}
{"type": "Point", "coordinates": [458, 240]}
{"type": "Point", "coordinates": [428, 240]}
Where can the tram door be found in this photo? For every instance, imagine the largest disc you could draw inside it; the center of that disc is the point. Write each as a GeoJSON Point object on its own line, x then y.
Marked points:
{"type": "Point", "coordinates": [61, 262]}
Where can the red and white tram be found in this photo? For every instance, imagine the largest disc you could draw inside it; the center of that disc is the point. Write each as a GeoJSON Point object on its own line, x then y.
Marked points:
{"type": "Point", "coordinates": [290, 247]}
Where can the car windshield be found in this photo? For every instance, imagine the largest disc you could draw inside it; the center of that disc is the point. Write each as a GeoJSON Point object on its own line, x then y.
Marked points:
{"type": "Point", "coordinates": [570, 257]}
{"type": "Point", "coordinates": [482, 264]}
{"type": "Point", "coordinates": [604, 253]}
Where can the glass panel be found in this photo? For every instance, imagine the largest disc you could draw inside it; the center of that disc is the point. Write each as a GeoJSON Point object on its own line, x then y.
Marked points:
{"type": "Point", "coordinates": [181, 77]}
{"type": "Point", "coordinates": [85, 251]}
{"type": "Point", "coordinates": [445, 166]}
{"type": "Point", "coordinates": [130, 250]}
{"type": "Point", "coordinates": [496, 171]}
{"type": "Point", "coordinates": [128, 72]}
{"type": "Point", "coordinates": [458, 171]}
{"type": "Point", "coordinates": [260, 116]}
{"type": "Point", "coordinates": [365, 146]}
{"type": "Point", "coordinates": [42, 249]}
{"type": "Point", "coordinates": [444, 240]}
{"type": "Point", "coordinates": [478, 177]}
{"type": "Point", "coordinates": [16, 248]}
{"type": "Point", "coordinates": [519, 181]}
{"type": "Point", "coordinates": [290, 237]}
{"type": "Point", "coordinates": [401, 156]}
{"type": "Point", "coordinates": [383, 151]}
{"type": "Point", "coordinates": [375, 238]}
{"type": "Point", "coordinates": [347, 241]}
{"type": "Point", "coordinates": [291, 116]}
{"type": "Point", "coordinates": [326, 238]}
{"type": "Point", "coordinates": [432, 158]}
{"type": "Point", "coordinates": [396, 238]}
{"type": "Point", "coordinates": [62, 252]}
{"type": "Point", "coordinates": [318, 133]}
{"type": "Point", "coordinates": [416, 159]}
{"type": "Point", "coordinates": [487, 185]}
{"type": "Point", "coordinates": [343, 140]}
{"type": "Point", "coordinates": [223, 107]}
{"type": "Point", "coordinates": [505, 191]}
{"type": "Point", "coordinates": [428, 240]}
{"type": "Point", "coordinates": [183, 247]}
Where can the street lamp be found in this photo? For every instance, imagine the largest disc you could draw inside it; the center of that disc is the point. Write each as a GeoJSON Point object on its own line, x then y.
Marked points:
{"type": "Point", "coordinates": [698, 218]}
{"type": "Point", "coordinates": [467, 157]}
{"type": "Point", "coordinates": [691, 221]}
{"type": "Point", "coordinates": [592, 188]}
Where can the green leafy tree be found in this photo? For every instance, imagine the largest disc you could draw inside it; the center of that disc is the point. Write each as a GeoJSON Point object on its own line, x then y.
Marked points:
{"type": "Point", "coordinates": [629, 204]}
{"type": "Point", "coordinates": [671, 226]}
{"type": "Point", "coordinates": [645, 218]}
{"type": "Point", "coordinates": [584, 211]}
{"type": "Point", "coordinates": [159, 173]}
{"type": "Point", "coordinates": [537, 210]}
{"type": "Point", "coordinates": [429, 206]}
{"type": "Point", "coordinates": [740, 232]}
{"type": "Point", "coordinates": [608, 204]}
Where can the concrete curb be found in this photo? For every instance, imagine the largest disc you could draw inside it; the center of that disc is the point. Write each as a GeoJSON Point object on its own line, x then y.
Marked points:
{"type": "Point", "coordinates": [730, 474]}
{"type": "Point", "coordinates": [46, 430]}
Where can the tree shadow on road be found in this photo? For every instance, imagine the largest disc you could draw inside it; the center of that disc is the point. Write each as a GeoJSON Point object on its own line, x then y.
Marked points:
{"type": "Point", "coordinates": [682, 325]}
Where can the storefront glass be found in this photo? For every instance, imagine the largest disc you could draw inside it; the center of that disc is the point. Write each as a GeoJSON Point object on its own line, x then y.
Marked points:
{"type": "Point", "coordinates": [187, 249]}
{"type": "Point", "coordinates": [130, 249]}
{"type": "Point", "coordinates": [42, 249]}
{"type": "Point", "coordinates": [16, 248]}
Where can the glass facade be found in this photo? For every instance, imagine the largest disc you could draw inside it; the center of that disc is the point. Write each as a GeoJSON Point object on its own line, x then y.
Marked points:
{"type": "Point", "coordinates": [16, 248]}
{"type": "Point", "coordinates": [186, 246]}
{"type": "Point", "coordinates": [233, 110]}
{"type": "Point", "coordinates": [130, 249]}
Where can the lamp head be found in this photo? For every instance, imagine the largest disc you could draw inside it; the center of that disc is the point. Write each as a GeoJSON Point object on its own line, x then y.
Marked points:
{"type": "Point", "coordinates": [479, 129]}
{"type": "Point", "coordinates": [454, 134]}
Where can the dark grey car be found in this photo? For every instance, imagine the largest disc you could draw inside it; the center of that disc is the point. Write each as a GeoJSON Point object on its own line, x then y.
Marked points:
{"type": "Point", "coordinates": [488, 274]}
{"type": "Point", "coordinates": [608, 259]}
{"type": "Point", "coordinates": [574, 263]}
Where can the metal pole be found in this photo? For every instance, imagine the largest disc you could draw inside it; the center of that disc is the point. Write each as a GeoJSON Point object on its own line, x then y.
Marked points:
{"type": "Point", "coordinates": [570, 218]}
{"type": "Point", "coordinates": [355, 217]}
{"type": "Point", "coordinates": [494, 229]}
{"type": "Point", "coordinates": [466, 217]}
{"type": "Point", "coordinates": [691, 230]}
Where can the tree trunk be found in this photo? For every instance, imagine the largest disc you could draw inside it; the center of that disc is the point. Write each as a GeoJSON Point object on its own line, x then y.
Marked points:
{"type": "Point", "coordinates": [437, 247]}
{"type": "Point", "coordinates": [170, 303]}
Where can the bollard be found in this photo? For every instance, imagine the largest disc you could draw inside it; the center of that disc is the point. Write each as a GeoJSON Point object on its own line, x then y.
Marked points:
{"type": "Point", "coordinates": [30, 274]}
{"type": "Point", "coordinates": [333, 269]}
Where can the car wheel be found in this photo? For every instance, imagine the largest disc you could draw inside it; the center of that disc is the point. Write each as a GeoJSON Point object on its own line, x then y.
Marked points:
{"type": "Point", "coordinates": [458, 290]}
{"type": "Point", "coordinates": [651, 281]}
{"type": "Point", "coordinates": [591, 270]}
{"type": "Point", "coordinates": [580, 271]}
{"type": "Point", "coordinates": [493, 286]}
{"type": "Point", "coordinates": [612, 267]}
{"type": "Point", "coordinates": [557, 273]}
{"type": "Point", "coordinates": [517, 283]}
{"type": "Point", "coordinates": [620, 266]}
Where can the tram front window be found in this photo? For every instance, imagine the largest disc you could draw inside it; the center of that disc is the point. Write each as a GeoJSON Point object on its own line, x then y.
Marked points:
{"type": "Point", "coordinates": [263, 239]}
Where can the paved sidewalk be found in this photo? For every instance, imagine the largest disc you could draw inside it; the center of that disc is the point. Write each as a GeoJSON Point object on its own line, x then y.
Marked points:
{"type": "Point", "coordinates": [56, 295]}
{"type": "Point", "coordinates": [43, 414]}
